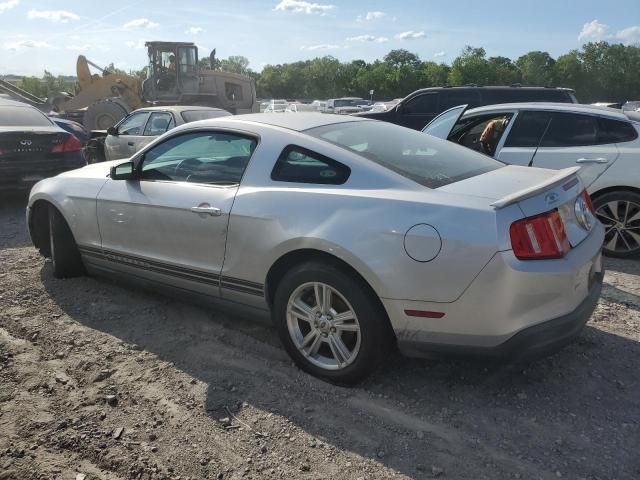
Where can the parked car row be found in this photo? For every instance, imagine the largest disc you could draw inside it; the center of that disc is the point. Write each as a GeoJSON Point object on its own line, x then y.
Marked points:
{"type": "Point", "coordinates": [601, 141]}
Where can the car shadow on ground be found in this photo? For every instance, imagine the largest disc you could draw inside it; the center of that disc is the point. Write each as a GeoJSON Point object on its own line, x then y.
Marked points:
{"type": "Point", "coordinates": [631, 267]}
{"type": "Point", "coordinates": [551, 415]}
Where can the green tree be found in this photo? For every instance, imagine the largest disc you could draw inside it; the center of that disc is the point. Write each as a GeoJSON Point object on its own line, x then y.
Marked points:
{"type": "Point", "coordinates": [471, 66]}
{"type": "Point", "coordinates": [504, 71]}
{"type": "Point", "coordinates": [235, 64]}
{"type": "Point", "coordinates": [434, 74]}
{"type": "Point", "coordinates": [536, 68]}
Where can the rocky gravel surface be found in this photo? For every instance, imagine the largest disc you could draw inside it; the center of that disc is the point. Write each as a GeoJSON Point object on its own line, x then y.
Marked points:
{"type": "Point", "coordinates": [100, 380]}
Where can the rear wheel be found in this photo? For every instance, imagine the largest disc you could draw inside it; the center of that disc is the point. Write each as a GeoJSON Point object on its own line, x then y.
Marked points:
{"type": "Point", "coordinates": [619, 212]}
{"type": "Point", "coordinates": [330, 323]}
{"type": "Point", "coordinates": [64, 251]}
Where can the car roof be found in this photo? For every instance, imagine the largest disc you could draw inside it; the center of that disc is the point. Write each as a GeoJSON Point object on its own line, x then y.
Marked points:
{"type": "Point", "coordinates": [178, 108]}
{"type": "Point", "coordinates": [298, 122]}
{"type": "Point", "coordinates": [5, 102]}
{"type": "Point", "coordinates": [556, 107]}
{"type": "Point", "coordinates": [491, 87]}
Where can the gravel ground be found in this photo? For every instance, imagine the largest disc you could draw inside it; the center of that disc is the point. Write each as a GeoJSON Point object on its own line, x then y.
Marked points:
{"type": "Point", "coordinates": [100, 380]}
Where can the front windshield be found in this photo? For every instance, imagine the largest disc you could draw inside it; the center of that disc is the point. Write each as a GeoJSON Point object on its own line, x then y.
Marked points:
{"type": "Point", "coordinates": [424, 159]}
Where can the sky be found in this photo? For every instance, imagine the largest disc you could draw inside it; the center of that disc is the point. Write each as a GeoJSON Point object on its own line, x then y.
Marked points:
{"type": "Point", "coordinates": [39, 35]}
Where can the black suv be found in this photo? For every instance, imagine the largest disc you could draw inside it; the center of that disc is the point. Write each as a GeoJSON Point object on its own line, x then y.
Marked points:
{"type": "Point", "coordinates": [422, 106]}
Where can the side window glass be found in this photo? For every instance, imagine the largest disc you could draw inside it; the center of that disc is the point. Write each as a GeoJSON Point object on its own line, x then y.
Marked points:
{"type": "Point", "coordinates": [134, 124]}
{"type": "Point", "coordinates": [203, 157]}
{"type": "Point", "coordinates": [299, 165]}
{"type": "Point", "coordinates": [453, 98]}
{"type": "Point", "coordinates": [528, 129]}
{"type": "Point", "coordinates": [571, 130]}
{"type": "Point", "coordinates": [158, 123]}
{"type": "Point", "coordinates": [426, 103]}
{"type": "Point", "coordinates": [615, 131]}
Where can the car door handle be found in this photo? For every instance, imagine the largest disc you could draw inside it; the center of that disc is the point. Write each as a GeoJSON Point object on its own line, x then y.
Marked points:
{"type": "Point", "coordinates": [213, 211]}
{"type": "Point", "coordinates": [131, 144]}
{"type": "Point", "coordinates": [592, 160]}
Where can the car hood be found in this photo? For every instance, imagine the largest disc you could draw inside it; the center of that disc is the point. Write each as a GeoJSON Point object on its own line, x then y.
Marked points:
{"type": "Point", "coordinates": [95, 170]}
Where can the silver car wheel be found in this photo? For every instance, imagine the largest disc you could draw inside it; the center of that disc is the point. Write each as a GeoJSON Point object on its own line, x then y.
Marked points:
{"type": "Point", "coordinates": [621, 220]}
{"type": "Point", "coordinates": [323, 326]}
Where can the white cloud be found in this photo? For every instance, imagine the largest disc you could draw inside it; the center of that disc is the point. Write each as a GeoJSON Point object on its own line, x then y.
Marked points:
{"type": "Point", "coordinates": [22, 44]}
{"type": "Point", "coordinates": [62, 16]}
{"type": "Point", "coordinates": [79, 48]}
{"type": "Point", "coordinates": [194, 30]}
{"type": "Point", "coordinates": [9, 4]}
{"type": "Point", "coordinates": [370, 16]}
{"type": "Point", "coordinates": [323, 46]}
{"type": "Point", "coordinates": [440, 54]}
{"type": "Point", "coordinates": [629, 35]}
{"type": "Point", "coordinates": [410, 35]}
{"type": "Point", "coordinates": [594, 31]}
{"type": "Point", "coordinates": [304, 7]}
{"type": "Point", "coordinates": [367, 38]}
{"type": "Point", "coordinates": [362, 38]}
{"type": "Point", "coordinates": [135, 44]}
{"type": "Point", "coordinates": [140, 23]}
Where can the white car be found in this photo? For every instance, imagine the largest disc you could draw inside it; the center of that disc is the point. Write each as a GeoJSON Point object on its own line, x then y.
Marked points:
{"type": "Point", "coordinates": [602, 141]}
{"type": "Point", "coordinates": [144, 125]}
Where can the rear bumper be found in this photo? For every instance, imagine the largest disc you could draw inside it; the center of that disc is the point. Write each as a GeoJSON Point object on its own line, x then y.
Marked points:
{"type": "Point", "coordinates": [511, 306]}
{"type": "Point", "coordinates": [532, 342]}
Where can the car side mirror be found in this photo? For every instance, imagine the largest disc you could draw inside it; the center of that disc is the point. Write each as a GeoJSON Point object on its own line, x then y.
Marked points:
{"type": "Point", "coordinates": [124, 171]}
{"type": "Point", "coordinates": [112, 131]}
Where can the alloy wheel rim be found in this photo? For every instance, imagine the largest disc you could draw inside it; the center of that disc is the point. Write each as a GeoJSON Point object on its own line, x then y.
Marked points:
{"type": "Point", "coordinates": [323, 326]}
{"type": "Point", "coordinates": [621, 220]}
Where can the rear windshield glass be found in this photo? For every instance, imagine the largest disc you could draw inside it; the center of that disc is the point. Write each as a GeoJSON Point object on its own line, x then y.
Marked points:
{"type": "Point", "coordinates": [22, 117]}
{"type": "Point", "coordinates": [422, 158]}
{"type": "Point", "coordinates": [195, 115]}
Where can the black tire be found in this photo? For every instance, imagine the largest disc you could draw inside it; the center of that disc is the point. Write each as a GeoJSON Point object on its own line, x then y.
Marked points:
{"type": "Point", "coordinates": [104, 114]}
{"type": "Point", "coordinates": [64, 251]}
{"type": "Point", "coordinates": [375, 335]}
{"type": "Point", "coordinates": [616, 210]}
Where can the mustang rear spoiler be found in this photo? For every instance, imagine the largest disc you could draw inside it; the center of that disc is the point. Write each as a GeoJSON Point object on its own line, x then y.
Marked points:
{"type": "Point", "coordinates": [560, 177]}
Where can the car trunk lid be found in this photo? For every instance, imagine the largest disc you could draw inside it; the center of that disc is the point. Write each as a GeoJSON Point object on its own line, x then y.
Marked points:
{"type": "Point", "coordinates": [535, 191]}
{"type": "Point", "coordinates": [26, 154]}
{"type": "Point", "coordinates": [29, 145]}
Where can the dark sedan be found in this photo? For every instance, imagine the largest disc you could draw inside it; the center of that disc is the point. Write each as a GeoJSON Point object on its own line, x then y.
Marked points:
{"type": "Point", "coordinates": [32, 147]}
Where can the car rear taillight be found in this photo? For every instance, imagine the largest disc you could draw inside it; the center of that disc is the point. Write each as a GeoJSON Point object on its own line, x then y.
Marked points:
{"type": "Point", "coordinates": [539, 237]}
{"type": "Point", "coordinates": [71, 144]}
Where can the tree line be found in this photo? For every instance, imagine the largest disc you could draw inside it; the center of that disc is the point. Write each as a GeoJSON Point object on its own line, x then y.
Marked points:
{"type": "Point", "coordinates": [598, 71]}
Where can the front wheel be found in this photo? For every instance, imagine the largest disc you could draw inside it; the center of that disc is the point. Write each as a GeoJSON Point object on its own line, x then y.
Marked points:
{"type": "Point", "coordinates": [619, 212]}
{"type": "Point", "coordinates": [330, 323]}
{"type": "Point", "coordinates": [64, 251]}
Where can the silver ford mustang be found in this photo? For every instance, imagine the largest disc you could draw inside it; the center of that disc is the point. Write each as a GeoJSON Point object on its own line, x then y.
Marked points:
{"type": "Point", "coordinates": [357, 235]}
